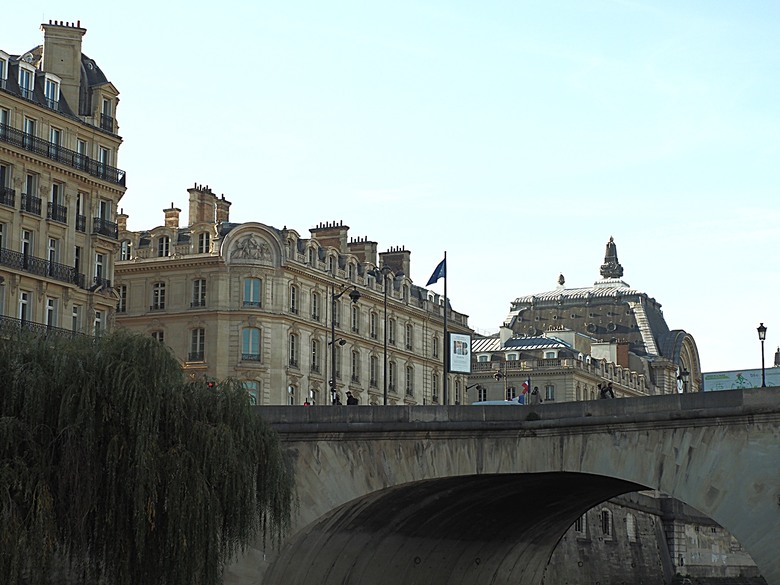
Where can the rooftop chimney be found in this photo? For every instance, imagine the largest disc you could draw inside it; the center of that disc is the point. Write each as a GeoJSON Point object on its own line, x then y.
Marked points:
{"type": "Point", "coordinates": [172, 216]}
{"type": "Point", "coordinates": [62, 57]}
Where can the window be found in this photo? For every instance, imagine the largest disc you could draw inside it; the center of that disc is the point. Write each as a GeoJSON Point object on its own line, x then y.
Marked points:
{"type": "Point", "coordinates": [291, 395]}
{"type": "Point", "coordinates": [28, 139]}
{"type": "Point", "coordinates": [372, 319]}
{"type": "Point", "coordinates": [26, 80]}
{"type": "Point", "coordinates": [391, 331]}
{"type": "Point", "coordinates": [512, 357]}
{"type": "Point", "coordinates": [252, 388]}
{"type": "Point", "coordinates": [75, 323]}
{"type": "Point", "coordinates": [373, 371]}
{"type": "Point", "coordinates": [331, 265]}
{"type": "Point", "coordinates": [581, 525]}
{"type": "Point", "coordinates": [197, 345]}
{"type": "Point", "coordinates": [293, 347]}
{"type": "Point", "coordinates": [409, 381]}
{"type": "Point", "coordinates": [106, 115]}
{"type": "Point", "coordinates": [55, 137]}
{"type": "Point", "coordinates": [199, 292]}
{"type": "Point", "coordinates": [391, 376]}
{"type": "Point", "coordinates": [126, 250]}
{"type": "Point", "coordinates": [315, 306]}
{"type": "Point", "coordinates": [51, 91]}
{"type": "Point", "coordinates": [337, 313]}
{"type": "Point", "coordinates": [355, 366]}
{"type": "Point", "coordinates": [204, 243]}
{"type": "Point", "coordinates": [81, 154]}
{"type": "Point", "coordinates": [550, 355]}
{"type": "Point", "coordinates": [158, 296]}
{"type": "Point", "coordinates": [631, 527]}
{"type": "Point", "coordinates": [435, 386]}
{"type": "Point", "coordinates": [606, 523]}
{"type": "Point", "coordinates": [355, 318]}
{"type": "Point", "coordinates": [351, 272]}
{"type": "Point", "coordinates": [293, 299]}
{"type": "Point", "coordinates": [51, 312]}
{"type": "Point", "coordinates": [457, 392]}
{"type": "Point", "coordinates": [3, 69]}
{"type": "Point", "coordinates": [54, 253]}
{"type": "Point", "coordinates": [158, 336]}
{"type": "Point", "coordinates": [549, 392]}
{"type": "Point", "coordinates": [409, 335]}
{"type": "Point", "coordinates": [104, 161]}
{"type": "Point", "coordinates": [99, 323]}
{"type": "Point", "coordinates": [310, 256]}
{"type": "Point", "coordinates": [31, 203]}
{"type": "Point", "coordinates": [121, 305]}
{"type": "Point", "coordinates": [315, 355]}
{"type": "Point", "coordinates": [511, 393]}
{"type": "Point", "coordinates": [27, 247]}
{"type": "Point", "coordinates": [81, 220]}
{"type": "Point", "coordinates": [163, 246]}
{"type": "Point", "coordinates": [252, 288]}
{"type": "Point", "coordinates": [77, 259]}
{"type": "Point", "coordinates": [250, 344]}
{"type": "Point", "coordinates": [435, 346]}
{"type": "Point", "coordinates": [481, 393]}
{"type": "Point", "coordinates": [100, 261]}
{"type": "Point", "coordinates": [2, 232]}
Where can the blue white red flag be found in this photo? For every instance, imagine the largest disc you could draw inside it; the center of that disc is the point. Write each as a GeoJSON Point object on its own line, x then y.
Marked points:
{"type": "Point", "coordinates": [527, 386]}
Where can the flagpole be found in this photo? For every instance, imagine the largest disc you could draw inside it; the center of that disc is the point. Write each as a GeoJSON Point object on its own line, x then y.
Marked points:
{"type": "Point", "coordinates": [446, 338]}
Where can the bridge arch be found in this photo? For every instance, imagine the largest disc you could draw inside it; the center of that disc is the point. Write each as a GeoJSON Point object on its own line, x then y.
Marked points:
{"type": "Point", "coordinates": [483, 494]}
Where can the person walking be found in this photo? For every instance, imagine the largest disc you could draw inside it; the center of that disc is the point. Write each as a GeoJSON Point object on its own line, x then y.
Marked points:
{"type": "Point", "coordinates": [536, 398]}
{"type": "Point", "coordinates": [351, 400]}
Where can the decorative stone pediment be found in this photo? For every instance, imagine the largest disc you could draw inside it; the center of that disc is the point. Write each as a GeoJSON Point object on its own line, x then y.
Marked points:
{"type": "Point", "coordinates": [251, 247]}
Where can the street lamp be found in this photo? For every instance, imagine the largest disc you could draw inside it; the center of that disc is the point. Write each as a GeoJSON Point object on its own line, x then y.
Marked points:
{"type": "Point", "coordinates": [384, 270]}
{"type": "Point", "coordinates": [762, 337]}
{"type": "Point", "coordinates": [354, 296]}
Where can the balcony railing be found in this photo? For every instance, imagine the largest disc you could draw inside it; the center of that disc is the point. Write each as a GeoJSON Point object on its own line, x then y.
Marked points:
{"type": "Point", "coordinates": [62, 155]}
{"type": "Point", "coordinates": [41, 267]}
{"type": "Point", "coordinates": [252, 304]}
{"type": "Point", "coordinates": [7, 196]}
{"type": "Point", "coordinates": [100, 282]}
{"type": "Point", "coordinates": [57, 212]}
{"type": "Point", "coordinates": [105, 228]}
{"type": "Point", "coordinates": [195, 356]}
{"type": "Point", "coordinates": [197, 304]}
{"type": "Point", "coordinates": [31, 204]}
{"type": "Point", "coordinates": [107, 123]}
{"type": "Point", "coordinates": [10, 326]}
{"type": "Point", "coordinates": [81, 223]}
{"type": "Point", "coordinates": [250, 357]}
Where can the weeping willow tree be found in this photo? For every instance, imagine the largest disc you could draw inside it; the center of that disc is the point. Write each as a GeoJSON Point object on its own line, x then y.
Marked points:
{"type": "Point", "coordinates": [115, 470]}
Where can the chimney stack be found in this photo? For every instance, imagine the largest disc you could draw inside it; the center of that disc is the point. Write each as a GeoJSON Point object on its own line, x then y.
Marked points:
{"type": "Point", "coordinates": [172, 216]}
{"type": "Point", "coordinates": [62, 57]}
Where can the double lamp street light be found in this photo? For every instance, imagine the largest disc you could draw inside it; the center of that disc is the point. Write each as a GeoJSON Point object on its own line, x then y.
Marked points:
{"type": "Point", "coordinates": [354, 296]}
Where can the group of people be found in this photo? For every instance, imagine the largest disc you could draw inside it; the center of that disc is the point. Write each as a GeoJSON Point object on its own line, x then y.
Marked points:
{"type": "Point", "coordinates": [606, 391]}
{"type": "Point", "coordinates": [351, 400]}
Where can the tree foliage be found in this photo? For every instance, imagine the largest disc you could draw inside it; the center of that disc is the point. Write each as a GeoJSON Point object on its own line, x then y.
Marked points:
{"type": "Point", "coordinates": [114, 469]}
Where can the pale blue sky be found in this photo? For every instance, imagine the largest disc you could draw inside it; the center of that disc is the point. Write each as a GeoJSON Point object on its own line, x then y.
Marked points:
{"type": "Point", "coordinates": [518, 136]}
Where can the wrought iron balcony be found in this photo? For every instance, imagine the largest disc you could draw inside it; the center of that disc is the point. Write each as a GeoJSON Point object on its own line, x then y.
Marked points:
{"type": "Point", "coordinates": [105, 228]}
{"type": "Point", "coordinates": [100, 282]}
{"type": "Point", "coordinates": [81, 223]}
{"type": "Point", "coordinates": [41, 267]}
{"type": "Point", "coordinates": [195, 356]}
{"type": "Point", "coordinates": [62, 155]}
{"type": "Point", "coordinates": [107, 123]}
{"type": "Point", "coordinates": [10, 326]}
{"type": "Point", "coordinates": [250, 357]}
{"type": "Point", "coordinates": [57, 212]}
{"type": "Point", "coordinates": [31, 204]}
{"type": "Point", "coordinates": [252, 304]}
{"type": "Point", "coordinates": [7, 196]}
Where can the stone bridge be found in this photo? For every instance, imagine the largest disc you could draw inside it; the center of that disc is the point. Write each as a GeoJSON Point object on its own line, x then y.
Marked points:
{"type": "Point", "coordinates": [482, 494]}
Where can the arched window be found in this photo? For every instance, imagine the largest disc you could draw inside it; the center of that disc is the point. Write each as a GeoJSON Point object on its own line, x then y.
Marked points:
{"type": "Point", "coordinates": [291, 395]}
{"type": "Point", "coordinates": [250, 344]}
{"type": "Point", "coordinates": [163, 246]}
{"type": "Point", "coordinates": [435, 346]}
{"type": "Point", "coordinates": [409, 381]}
{"type": "Point", "coordinates": [581, 525]}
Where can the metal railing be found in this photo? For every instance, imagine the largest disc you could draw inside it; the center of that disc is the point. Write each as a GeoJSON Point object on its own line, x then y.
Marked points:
{"type": "Point", "coordinates": [10, 326]}
{"type": "Point", "coordinates": [57, 212]}
{"type": "Point", "coordinates": [41, 267]}
{"type": "Point", "coordinates": [31, 204]}
{"type": "Point", "coordinates": [81, 223]}
{"type": "Point", "coordinates": [105, 228]}
{"type": "Point", "coordinates": [107, 123]}
{"type": "Point", "coordinates": [7, 196]}
{"type": "Point", "coordinates": [195, 356]}
{"type": "Point", "coordinates": [250, 357]}
{"type": "Point", "coordinates": [62, 155]}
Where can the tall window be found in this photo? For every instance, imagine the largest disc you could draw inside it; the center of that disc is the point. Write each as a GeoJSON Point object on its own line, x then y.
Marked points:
{"type": "Point", "coordinates": [121, 305]}
{"type": "Point", "coordinates": [293, 299]}
{"type": "Point", "coordinates": [100, 262]}
{"type": "Point", "coordinates": [158, 336]}
{"type": "Point", "coordinates": [355, 366]}
{"type": "Point", "coordinates": [126, 250]}
{"type": "Point", "coordinates": [481, 393]}
{"type": "Point", "coordinates": [581, 525]}
{"type": "Point", "coordinates": [409, 336]}
{"type": "Point", "coordinates": [355, 318]}
{"type": "Point", "coordinates": [549, 392]}
{"type": "Point", "coordinates": [81, 154]}
{"type": "Point", "coordinates": [372, 320]}
{"type": "Point", "coordinates": [55, 137]}
{"type": "Point", "coordinates": [315, 306]}
{"type": "Point", "coordinates": [199, 292]}
{"type": "Point", "coordinates": [291, 395]}
{"type": "Point", "coordinates": [51, 312]}
{"type": "Point", "coordinates": [51, 90]}
{"type": "Point", "coordinates": [391, 376]}
{"type": "Point", "coordinates": [252, 388]}
{"type": "Point", "coordinates": [252, 289]}
{"type": "Point", "coordinates": [351, 272]}
{"type": "Point", "coordinates": [163, 246]}
{"type": "Point", "coordinates": [26, 81]}
{"type": "Point", "coordinates": [409, 381]}
{"type": "Point", "coordinates": [29, 133]}
{"type": "Point", "coordinates": [391, 331]}
{"type": "Point", "coordinates": [204, 243]}
{"type": "Point", "coordinates": [511, 393]}
{"type": "Point", "coordinates": [158, 296]}
{"type": "Point", "coordinates": [250, 344]}
{"type": "Point", "coordinates": [293, 350]}
{"type": "Point", "coordinates": [373, 371]}
{"type": "Point", "coordinates": [315, 355]}
{"type": "Point", "coordinates": [631, 528]}
{"type": "Point", "coordinates": [75, 323]}
{"type": "Point", "coordinates": [435, 346]}
{"type": "Point", "coordinates": [435, 386]}
{"type": "Point", "coordinates": [457, 392]}
{"type": "Point", "coordinates": [27, 245]}
{"type": "Point", "coordinates": [100, 324]}
{"type": "Point", "coordinates": [197, 345]}
{"type": "Point", "coordinates": [606, 522]}
{"type": "Point", "coordinates": [54, 252]}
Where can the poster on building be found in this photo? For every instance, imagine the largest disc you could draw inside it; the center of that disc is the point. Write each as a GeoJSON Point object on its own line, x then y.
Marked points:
{"type": "Point", "coordinates": [460, 353]}
{"type": "Point", "coordinates": [739, 379]}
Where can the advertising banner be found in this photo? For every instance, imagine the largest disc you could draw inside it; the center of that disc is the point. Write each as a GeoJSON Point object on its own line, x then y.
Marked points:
{"type": "Point", "coordinates": [460, 353]}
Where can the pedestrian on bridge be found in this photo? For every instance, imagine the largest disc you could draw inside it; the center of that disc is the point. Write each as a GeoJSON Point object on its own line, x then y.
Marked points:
{"type": "Point", "coordinates": [351, 400]}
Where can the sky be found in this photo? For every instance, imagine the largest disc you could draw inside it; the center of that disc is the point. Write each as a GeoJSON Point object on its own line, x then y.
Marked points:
{"type": "Point", "coordinates": [516, 136]}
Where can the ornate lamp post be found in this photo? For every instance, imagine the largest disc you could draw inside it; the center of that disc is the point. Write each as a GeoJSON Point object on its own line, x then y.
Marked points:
{"type": "Point", "coordinates": [354, 296]}
{"type": "Point", "coordinates": [762, 337]}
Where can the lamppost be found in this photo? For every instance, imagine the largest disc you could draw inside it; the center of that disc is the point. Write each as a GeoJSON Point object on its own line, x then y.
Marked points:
{"type": "Point", "coordinates": [384, 270]}
{"type": "Point", "coordinates": [762, 337]}
{"type": "Point", "coordinates": [354, 296]}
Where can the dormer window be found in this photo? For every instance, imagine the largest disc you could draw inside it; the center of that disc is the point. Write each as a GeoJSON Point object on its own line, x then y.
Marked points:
{"type": "Point", "coordinates": [51, 90]}
{"type": "Point", "coordinates": [26, 80]}
{"type": "Point", "coordinates": [163, 246]}
{"type": "Point", "coordinates": [204, 243]}
{"type": "Point", "coordinates": [3, 68]}
{"type": "Point", "coordinates": [107, 115]}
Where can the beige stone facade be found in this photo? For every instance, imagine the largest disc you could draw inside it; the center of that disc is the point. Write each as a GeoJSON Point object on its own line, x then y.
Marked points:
{"type": "Point", "coordinates": [59, 187]}
{"type": "Point", "coordinates": [254, 302]}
